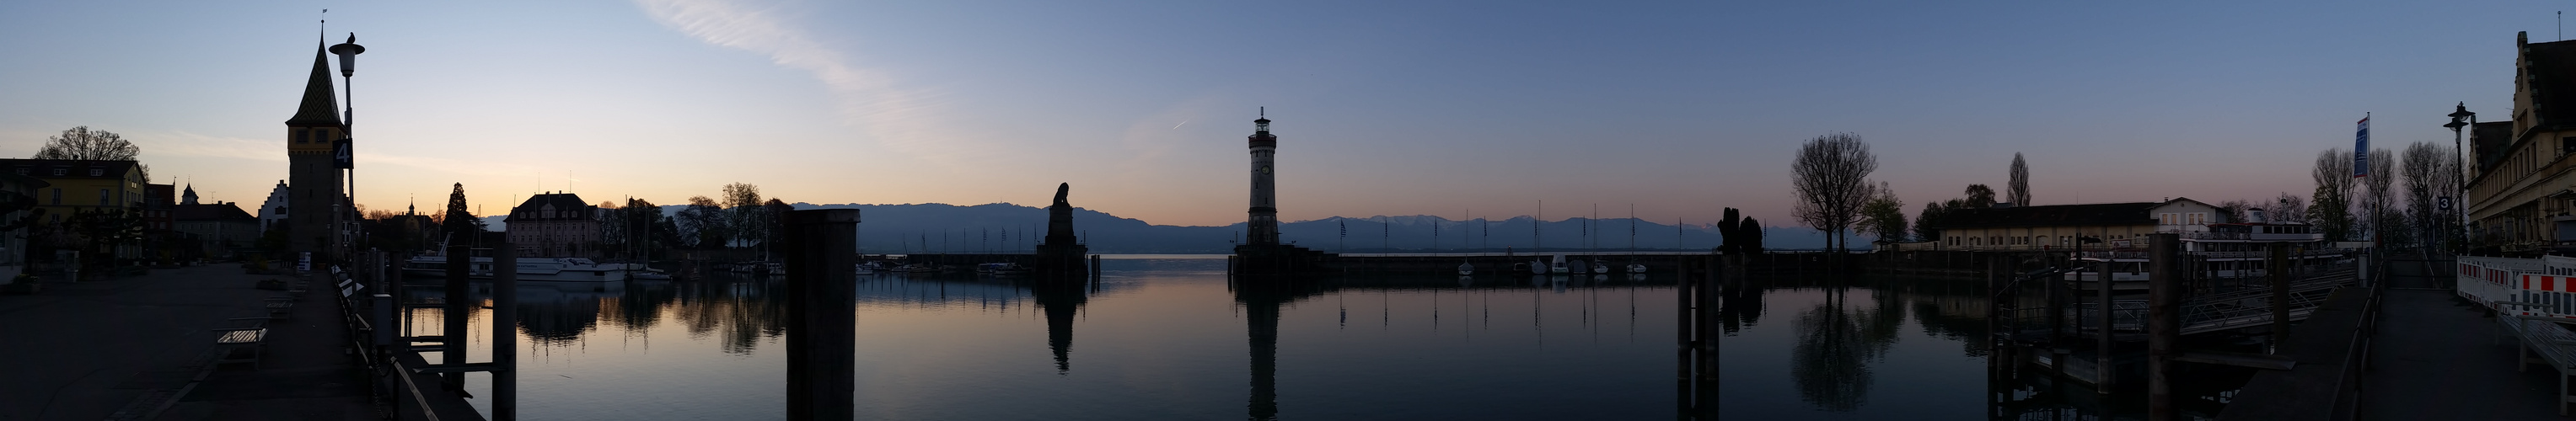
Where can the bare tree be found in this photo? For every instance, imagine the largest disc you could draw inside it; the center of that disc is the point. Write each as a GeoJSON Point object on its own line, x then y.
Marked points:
{"type": "Point", "coordinates": [2430, 171]}
{"type": "Point", "coordinates": [2288, 207]}
{"type": "Point", "coordinates": [704, 221]}
{"type": "Point", "coordinates": [2377, 198]}
{"type": "Point", "coordinates": [2235, 209]}
{"type": "Point", "coordinates": [2331, 206]}
{"type": "Point", "coordinates": [1831, 178]}
{"type": "Point", "coordinates": [742, 203]}
{"type": "Point", "coordinates": [83, 143]}
{"type": "Point", "coordinates": [2019, 191]}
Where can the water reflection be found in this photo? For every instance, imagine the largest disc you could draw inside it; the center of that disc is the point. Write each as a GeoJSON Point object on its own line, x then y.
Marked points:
{"type": "Point", "coordinates": [1156, 348]}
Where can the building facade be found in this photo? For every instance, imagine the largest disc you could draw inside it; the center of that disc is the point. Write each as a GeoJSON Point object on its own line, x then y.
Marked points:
{"type": "Point", "coordinates": [217, 229]}
{"type": "Point", "coordinates": [20, 193]}
{"type": "Point", "coordinates": [554, 225]}
{"type": "Point", "coordinates": [2519, 198]}
{"type": "Point", "coordinates": [272, 212]}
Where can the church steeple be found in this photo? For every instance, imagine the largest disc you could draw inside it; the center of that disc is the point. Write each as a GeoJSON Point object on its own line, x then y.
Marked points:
{"type": "Point", "coordinates": [321, 108]}
{"type": "Point", "coordinates": [189, 196]}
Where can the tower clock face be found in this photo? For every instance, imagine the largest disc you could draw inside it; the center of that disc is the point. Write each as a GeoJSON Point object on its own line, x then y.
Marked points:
{"type": "Point", "coordinates": [1265, 169]}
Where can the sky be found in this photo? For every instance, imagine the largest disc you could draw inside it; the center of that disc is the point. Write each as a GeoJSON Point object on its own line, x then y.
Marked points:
{"type": "Point", "coordinates": [1458, 109]}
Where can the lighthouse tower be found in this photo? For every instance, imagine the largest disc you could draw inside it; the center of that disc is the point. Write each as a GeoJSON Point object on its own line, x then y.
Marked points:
{"type": "Point", "coordinates": [1264, 221]}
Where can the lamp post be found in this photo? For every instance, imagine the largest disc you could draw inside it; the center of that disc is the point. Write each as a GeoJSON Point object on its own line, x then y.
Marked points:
{"type": "Point", "coordinates": [2459, 202]}
{"type": "Point", "coordinates": [348, 52]}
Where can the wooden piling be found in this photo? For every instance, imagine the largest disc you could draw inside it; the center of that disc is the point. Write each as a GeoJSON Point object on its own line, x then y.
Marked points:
{"type": "Point", "coordinates": [2280, 285]}
{"type": "Point", "coordinates": [2102, 328]}
{"type": "Point", "coordinates": [505, 333]}
{"type": "Point", "coordinates": [821, 336]}
{"type": "Point", "coordinates": [2164, 321]}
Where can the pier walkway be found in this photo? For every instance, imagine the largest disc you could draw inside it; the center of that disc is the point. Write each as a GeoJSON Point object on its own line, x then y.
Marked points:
{"type": "Point", "coordinates": [139, 347]}
{"type": "Point", "coordinates": [2439, 357]}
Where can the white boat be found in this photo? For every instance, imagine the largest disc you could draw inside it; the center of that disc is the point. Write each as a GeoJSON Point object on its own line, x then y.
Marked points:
{"type": "Point", "coordinates": [1636, 268]}
{"type": "Point", "coordinates": [1597, 267]}
{"type": "Point", "coordinates": [538, 269]}
{"type": "Point", "coordinates": [2231, 250]}
{"type": "Point", "coordinates": [648, 274]}
{"type": "Point", "coordinates": [1537, 267]}
{"type": "Point", "coordinates": [863, 269]}
{"type": "Point", "coordinates": [1558, 266]}
{"type": "Point", "coordinates": [1465, 269]}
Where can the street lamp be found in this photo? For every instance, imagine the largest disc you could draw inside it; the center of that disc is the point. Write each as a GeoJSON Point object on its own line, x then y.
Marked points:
{"type": "Point", "coordinates": [2460, 200]}
{"type": "Point", "coordinates": [348, 52]}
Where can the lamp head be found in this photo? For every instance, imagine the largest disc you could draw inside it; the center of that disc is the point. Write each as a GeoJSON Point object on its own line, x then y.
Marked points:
{"type": "Point", "coordinates": [348, 52]}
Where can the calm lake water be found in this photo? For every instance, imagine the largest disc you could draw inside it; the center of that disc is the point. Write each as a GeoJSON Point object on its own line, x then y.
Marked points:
{"type": "Point", "coordinates": [1166, 337]}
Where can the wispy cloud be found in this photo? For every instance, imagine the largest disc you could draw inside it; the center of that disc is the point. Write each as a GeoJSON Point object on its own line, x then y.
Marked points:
{"type": "Point", "coordinates": [901, 118]}
{"type": "Point", "coordinates": [181, 143]}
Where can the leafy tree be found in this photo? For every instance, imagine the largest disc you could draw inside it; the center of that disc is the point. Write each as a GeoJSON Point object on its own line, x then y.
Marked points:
{"type": "Point", "coordinates": [1831, 178]}
{"type": "Point", "coordinates": [459, 221]}
{"type": "Point", "coordinates": [1979, 197]}
{"type": "Point", "coordinates": [2018, 191]}
{"type": "Point", "coordinates": [1925, 223]}
{"type": "Point", "coordinates": [1884, 215]}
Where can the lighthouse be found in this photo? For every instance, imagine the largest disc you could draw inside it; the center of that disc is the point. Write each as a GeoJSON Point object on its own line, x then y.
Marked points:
{"type": "Point", "coordinates": [1263, 223]}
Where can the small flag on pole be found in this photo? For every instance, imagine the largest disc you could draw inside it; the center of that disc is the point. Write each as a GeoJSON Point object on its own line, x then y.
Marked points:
{"type": "Point", "coordinates": [2361, 148]}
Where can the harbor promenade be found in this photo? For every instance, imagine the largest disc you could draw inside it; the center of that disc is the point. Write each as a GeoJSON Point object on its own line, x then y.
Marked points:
{"type": "Point", "coordinates": [141, 347]}
{"type": "Point", "coordinates": [2438, 357]}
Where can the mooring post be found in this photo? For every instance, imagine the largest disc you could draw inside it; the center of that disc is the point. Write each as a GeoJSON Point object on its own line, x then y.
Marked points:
{"type": "Point", "coordinates": [822, 336]}
{"type": "Point", "coordinates": [2164, 321]}
{"type": "Point", "coordinates": [2102, 328]}
{"type": "Point", "coordinates": [1095, 267]}
{"type": "Point", "coordinates": [2059, 295]}
{"type": "Point", "coordinates": [381, 312]}
{"type": "Point", "coordinates": [2275, 271]}
{"type": "Point", "coordinates": [505, 333]}
{"type": "Point", "coordinates": [1682, 365]}
{"type": "Point", "coordinates": [451, 332]}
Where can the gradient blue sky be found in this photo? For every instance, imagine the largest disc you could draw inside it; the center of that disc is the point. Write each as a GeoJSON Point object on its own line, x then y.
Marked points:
{"type": "Point", "coordinates": [1383, 108]}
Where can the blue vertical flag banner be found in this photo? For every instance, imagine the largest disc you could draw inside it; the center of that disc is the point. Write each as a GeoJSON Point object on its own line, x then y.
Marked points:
{"type": "Point", "coordinates": [2361, 148]}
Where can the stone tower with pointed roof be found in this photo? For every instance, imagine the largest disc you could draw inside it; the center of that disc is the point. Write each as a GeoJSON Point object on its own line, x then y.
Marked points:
{"type": "Point", "coordinates": [313, 178]}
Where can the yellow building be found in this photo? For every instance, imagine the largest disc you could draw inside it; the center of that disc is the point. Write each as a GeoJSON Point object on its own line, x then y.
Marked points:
{"type": "Point", "coordinates": [2520, 196]}
{"type": "Point", "coordinates": [81, 185]}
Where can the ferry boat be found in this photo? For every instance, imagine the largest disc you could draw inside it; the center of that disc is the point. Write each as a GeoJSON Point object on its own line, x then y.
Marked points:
{"type": "Point", "coordinates": [540, 269]}
{"type": "Point", "coordinates": [2232, 250]}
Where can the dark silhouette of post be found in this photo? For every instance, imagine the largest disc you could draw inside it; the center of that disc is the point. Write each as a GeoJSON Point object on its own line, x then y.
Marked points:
{"type": "Point", "coordinates": [2278, 274]}
{"type": "Point", "coordinates": [2164, 320]}
{"type": "Point", "coordinates": [451, 332]}
{"type": "Point", "coordinates": [2102, 328]}
{"type": "Point", "coordinates": [505, 333]}
{"type": "Point", "coordinates": [822, 251]}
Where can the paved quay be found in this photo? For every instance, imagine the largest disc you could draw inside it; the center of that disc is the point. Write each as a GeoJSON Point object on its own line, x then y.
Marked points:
{"type": "Point", "coordinates": [139, 347]}
{"type": "Point", "coordinates": [2438, 357]}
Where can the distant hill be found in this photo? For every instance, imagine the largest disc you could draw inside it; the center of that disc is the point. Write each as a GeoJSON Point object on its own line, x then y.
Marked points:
{"type": "Point", "coordinates": [934, 227]}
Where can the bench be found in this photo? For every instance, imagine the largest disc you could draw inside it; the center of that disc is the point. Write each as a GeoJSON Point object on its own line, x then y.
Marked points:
{"type": "Point", "coordinates": [2545, 342]}
{"type": "Point", "coordinates": [254, 337]}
